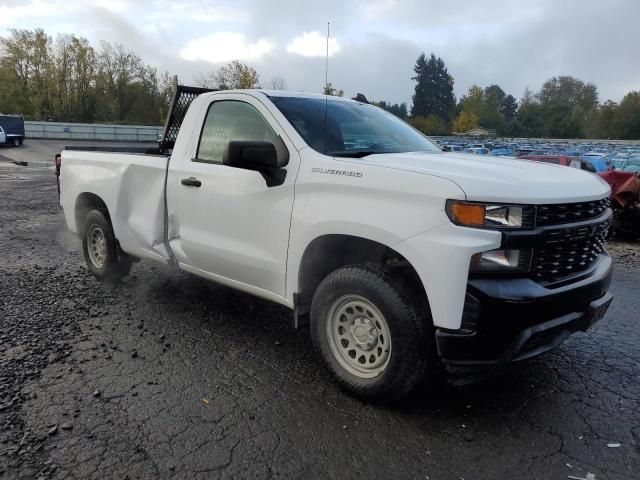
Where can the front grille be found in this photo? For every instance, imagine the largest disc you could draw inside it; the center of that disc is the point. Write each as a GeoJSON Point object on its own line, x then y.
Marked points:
{"type": "Point", "coordinates": [568, 250]}
{"type": "Point", "coordinates": [560, 213]}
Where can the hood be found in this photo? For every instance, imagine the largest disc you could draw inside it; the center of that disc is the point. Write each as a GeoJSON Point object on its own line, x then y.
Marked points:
{"type": "Point", "coordinates": [500, 179]}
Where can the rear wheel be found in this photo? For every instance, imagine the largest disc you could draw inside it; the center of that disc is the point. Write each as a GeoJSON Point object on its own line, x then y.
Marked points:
{"type": "Point", "coordinates": [15, 142]}
{"type": "Point", "coordinates": [370, 334]}
{"type": "Point", "coordinates": [101, 252]}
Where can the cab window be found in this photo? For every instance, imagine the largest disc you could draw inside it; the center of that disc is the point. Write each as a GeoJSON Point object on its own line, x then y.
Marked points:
{"type": "Point", "coordinates": [229, 120]}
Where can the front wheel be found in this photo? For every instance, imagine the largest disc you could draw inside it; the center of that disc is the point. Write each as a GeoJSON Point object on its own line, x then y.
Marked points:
{"type": "Point", "coordinates": [100, 249]}
{"type": "Point", "coordinates": [370, 334]}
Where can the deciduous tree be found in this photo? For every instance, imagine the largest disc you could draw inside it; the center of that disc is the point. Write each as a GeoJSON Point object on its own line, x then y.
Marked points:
{"type": "Point", "coordinates": [70, 80]}
{"type": "Point", "coordinates": [277, 83]}
{"type": "Point", "coordinates": [627, 117]}
{"type": "Point", "coordinates": [465, 122]}
{"type": "Point", "coordinates": [430, 125]}
{"type": "Point", "coordinates": [234, 75]}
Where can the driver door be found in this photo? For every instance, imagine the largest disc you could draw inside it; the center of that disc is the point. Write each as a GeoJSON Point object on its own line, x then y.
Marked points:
{"type": "Point", "coordinates": [227, 224]}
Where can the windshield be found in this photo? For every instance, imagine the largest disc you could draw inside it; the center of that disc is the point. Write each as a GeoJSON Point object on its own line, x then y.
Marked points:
{"type": "Point", "coordinates": [350, 129]}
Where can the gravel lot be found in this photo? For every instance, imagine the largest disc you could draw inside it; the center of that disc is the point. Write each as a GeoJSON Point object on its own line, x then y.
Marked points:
{"type": "Point", "coordinates": [167, 375]}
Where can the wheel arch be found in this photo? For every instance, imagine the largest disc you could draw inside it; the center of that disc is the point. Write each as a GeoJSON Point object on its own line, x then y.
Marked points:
{"type": "Point", "coordinates": [85, 202]}
{"type": "Point", "coordinates": [329, 252]}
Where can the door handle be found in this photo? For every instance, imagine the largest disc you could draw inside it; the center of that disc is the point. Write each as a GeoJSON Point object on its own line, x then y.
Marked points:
{"type": "Point", "coordinates": [191, 182]}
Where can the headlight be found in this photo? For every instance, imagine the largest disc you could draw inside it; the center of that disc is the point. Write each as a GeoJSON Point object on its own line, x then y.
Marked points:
{"type": "Point", "coordinates": [486, 215]}
{"type": "Point", "coordinates": [516, 261]}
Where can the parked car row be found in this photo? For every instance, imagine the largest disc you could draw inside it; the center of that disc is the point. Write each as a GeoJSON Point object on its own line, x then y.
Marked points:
{"type": "Point", "coordinates": [618, 165]}
{"type": "Point", "coordinates": [601, 156]}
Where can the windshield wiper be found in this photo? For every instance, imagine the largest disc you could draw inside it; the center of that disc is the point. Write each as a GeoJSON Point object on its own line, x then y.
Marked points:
{"type": "Point", "coordinates": [354, 153]}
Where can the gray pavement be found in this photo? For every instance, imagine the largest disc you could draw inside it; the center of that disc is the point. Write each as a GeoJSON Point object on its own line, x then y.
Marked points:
{"type": "Point", "coordinates": [171, 376]}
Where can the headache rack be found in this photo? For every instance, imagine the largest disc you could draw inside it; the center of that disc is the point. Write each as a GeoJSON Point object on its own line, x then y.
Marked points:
{"type": "Point", "coordinates": [182, 98]}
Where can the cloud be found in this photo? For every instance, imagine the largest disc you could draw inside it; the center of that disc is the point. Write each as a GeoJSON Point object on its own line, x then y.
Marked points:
{"type": "Point", "coordinates": [512, 43]}
{"type": "Point", "coordinates": [378, 8]}
{"type": "Point", "coordinates": [313, 44]}
{"type": "Point", "coordinates": [168, 14]}
{"type": "Point", "coordinates": [10, 13]}
{"type": "Point", "coordinates": [226, 46]}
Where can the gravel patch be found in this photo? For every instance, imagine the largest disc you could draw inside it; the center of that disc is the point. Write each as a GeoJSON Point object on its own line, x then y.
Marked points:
{"type": "Point", "coordinates": [167, 375]}
{"type": "Point", "coordinates": [625, 253]}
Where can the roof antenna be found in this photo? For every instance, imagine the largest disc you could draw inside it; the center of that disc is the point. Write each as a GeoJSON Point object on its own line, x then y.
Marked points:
{"type": "Point", "coordinates": [326, 65]}
{"type": "Point", "coordinates": [326, 88]}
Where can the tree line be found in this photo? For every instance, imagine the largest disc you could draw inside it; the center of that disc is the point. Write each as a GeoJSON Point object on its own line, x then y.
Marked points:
{"type": "Point", "coordinates": [68, 79]}
{"type": "Point", "coordinates": [565, 107]}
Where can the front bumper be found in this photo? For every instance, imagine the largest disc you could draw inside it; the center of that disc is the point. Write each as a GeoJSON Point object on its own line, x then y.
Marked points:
{"type": "Point", "coordinates": [511, 319]}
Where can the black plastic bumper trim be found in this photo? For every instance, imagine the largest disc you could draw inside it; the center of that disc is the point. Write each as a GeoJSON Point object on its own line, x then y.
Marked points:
{"type": "Point", "coordinates": [521, 319]}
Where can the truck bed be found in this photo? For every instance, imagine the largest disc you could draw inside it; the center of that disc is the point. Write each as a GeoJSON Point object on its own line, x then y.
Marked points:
{"type": "Point", "coordinates": [132, 185]}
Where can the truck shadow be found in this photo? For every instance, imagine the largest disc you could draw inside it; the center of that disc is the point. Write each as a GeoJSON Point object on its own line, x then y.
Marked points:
{"type": "Point", "coordinates": [235, 319]}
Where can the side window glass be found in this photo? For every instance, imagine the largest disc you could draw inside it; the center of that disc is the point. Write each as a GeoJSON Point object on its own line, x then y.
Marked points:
{"type": "Point", "coordinates": [229, 120]}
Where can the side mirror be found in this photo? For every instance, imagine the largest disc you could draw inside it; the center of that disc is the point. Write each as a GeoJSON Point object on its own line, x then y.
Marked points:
{"type": "Point", "coordinates": [264, 157]}
{"type": "Point", "coordinates": [255, 155]}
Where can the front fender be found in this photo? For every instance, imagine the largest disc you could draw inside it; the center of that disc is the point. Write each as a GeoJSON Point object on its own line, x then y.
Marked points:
{"type": "Point", "coordinates": [376, 203]}
{"type": "Point", "coordinates": [441, 256]}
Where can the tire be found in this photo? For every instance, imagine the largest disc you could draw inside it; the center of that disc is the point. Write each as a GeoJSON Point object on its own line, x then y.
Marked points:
{"type": "Point", "coordinates": [15, 142]}
{"type": "Point", "coordinates": [101, 252]}
{"type": "Point", "coordinates": [362, 314]}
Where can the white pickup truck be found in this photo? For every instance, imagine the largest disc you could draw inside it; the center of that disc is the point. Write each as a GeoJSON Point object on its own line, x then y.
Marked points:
{"type": "Point", "coordinates": [403, 258]}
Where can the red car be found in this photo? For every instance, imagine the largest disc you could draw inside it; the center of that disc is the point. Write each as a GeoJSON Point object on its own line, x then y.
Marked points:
{"type": "Point", "coordinates": [625, 201]}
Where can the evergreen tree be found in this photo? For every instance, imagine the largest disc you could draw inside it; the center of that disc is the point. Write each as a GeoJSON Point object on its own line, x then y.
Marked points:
{"type": "Point", "coordinates": [494, 94]}
{"type": "Point", "coordinates": [434, 89]}
{"type": "Point", "coordinates": [509, 107]}
{"type": "Point", "coordinates": [329, 89]}
{"type": "Point", "coordinates": [398, 109]}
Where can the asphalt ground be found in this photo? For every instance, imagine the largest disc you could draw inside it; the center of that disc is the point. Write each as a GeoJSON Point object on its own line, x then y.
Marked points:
{"type": "Point", "coordinates": [170, 376]}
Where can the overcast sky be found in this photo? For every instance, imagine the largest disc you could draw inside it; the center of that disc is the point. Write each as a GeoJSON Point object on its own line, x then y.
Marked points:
{"type": "Point", "coordinates": [374, 43]}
